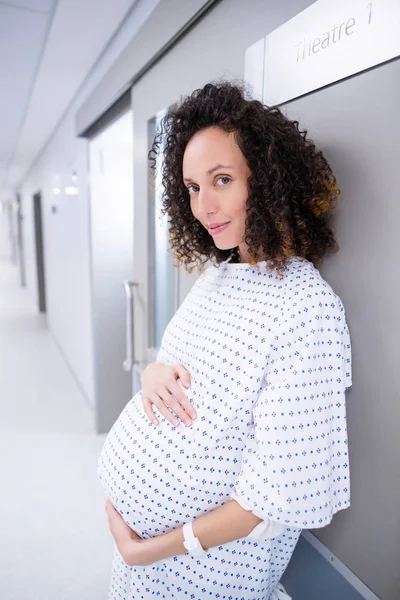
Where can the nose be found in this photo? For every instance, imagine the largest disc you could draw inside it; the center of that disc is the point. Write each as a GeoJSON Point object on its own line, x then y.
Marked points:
{"type": "Point", "coordinates": [207, 203]}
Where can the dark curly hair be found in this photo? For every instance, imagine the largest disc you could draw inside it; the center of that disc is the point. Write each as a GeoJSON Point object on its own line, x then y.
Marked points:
{"type": "Point", "coordinates": [292, 190]}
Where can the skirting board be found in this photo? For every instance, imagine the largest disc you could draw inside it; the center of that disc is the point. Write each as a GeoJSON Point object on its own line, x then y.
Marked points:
{"type": "Point", "coordinates": [314, 573]}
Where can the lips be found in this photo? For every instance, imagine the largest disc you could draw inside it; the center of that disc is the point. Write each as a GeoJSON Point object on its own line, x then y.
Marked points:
{"type": "Point", "coordinates": [217, 228]}
{"type": "Point", "coordinates": [217, 224]}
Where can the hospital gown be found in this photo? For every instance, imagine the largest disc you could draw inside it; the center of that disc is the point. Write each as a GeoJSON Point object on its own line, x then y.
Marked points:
{"type": "Point", "coordinates": [270, 360]}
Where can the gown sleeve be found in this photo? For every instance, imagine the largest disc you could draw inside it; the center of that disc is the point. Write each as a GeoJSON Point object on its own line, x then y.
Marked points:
{"type": "Point", "coordinates": [295, 468]}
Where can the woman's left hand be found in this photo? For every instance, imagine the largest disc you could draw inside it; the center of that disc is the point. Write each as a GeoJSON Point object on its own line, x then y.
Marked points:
{"type": "Point", "coordinates": [130, 545]}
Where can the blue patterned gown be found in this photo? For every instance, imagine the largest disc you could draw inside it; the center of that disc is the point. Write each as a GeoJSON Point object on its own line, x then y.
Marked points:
{"type": "Point", "coordinates": [270, 360]}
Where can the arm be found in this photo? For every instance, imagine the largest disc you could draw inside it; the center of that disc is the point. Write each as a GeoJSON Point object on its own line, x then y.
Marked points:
{"type": "Point", "coordinates": [220, 526]}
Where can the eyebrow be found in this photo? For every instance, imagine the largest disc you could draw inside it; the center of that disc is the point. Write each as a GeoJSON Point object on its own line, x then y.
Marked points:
{"type": "Point", "coordinates": [211, 171]}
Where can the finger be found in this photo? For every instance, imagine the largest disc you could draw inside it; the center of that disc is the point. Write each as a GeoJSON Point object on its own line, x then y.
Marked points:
{"type": "Point", "coordinates": [112, 514]}
{"type": "Point", "coordinates": [174, 405]}
{"type": "Point", "coordinates": [183, 374]}
{"type": "Point", "coordinates": [182, 399]}
{"type": "Point", "coordinates": [148, 409]}
{"type": "Point", "coordinates": [159, 404]}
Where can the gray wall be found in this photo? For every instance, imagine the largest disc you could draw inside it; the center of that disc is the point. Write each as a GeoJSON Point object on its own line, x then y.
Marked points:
{"type": "Point", "coordinates": [356, 123]}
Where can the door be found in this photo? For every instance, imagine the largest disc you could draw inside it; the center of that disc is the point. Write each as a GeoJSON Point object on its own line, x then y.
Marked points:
{"type": "Point", "coordinates": [37, 211]}
{"type": "Point", "coordinates": [11, 221]}
{"type": "Point", "coordinates": [5, 232]}
{"type": "Point", "coordinates": [111, 216]}
{"type": "Point", "coordinates": [20, 242]}
{"type": "Point", "coordinates": [160, 283]}
{"type": "Point", "coordinates": [163, 279]}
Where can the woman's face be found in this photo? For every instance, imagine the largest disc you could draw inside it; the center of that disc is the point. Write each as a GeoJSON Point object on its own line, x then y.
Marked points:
{"type": "Point", "coordinates": [216, 173]}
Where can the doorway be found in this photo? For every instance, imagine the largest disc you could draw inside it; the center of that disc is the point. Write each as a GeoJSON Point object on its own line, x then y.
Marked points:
{"type": "Point", "coordinates": [37, 210]}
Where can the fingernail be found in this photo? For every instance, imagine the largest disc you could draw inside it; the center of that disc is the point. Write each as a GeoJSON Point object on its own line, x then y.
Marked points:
{"type": "Point", "coordinates": [154, 422]}
{"type": "Point", "coordinates": [176, 422]}
{"type": "Point", "coordinates": [188, 423]}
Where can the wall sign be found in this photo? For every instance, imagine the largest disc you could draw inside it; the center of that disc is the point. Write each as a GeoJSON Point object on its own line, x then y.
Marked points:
{"type": "Point", "coordinates": [330, 40]}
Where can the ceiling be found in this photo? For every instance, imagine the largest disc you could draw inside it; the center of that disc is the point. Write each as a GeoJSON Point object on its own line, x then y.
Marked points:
{"type": "Point", "coordinates": [47, 49]}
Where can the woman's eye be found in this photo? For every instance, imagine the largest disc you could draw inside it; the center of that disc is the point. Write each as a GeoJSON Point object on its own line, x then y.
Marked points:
{"type": "Point", "coordinates": [192, 189]}
{"type": "Point", "coordinates": [224, 179]}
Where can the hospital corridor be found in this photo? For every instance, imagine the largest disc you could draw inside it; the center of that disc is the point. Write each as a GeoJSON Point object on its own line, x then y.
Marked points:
{"type": "Point", "coordinates": [200, 190]}
{"type": "Point", "coordinates": [54, 540]}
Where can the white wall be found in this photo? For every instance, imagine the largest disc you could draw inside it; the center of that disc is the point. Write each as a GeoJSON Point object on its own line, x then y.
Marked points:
{"type": "Point", "coordinates": [66, 233]}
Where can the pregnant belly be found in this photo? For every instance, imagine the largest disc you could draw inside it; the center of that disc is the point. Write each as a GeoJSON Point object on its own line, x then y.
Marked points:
{"type": "Point", "coordinates": [158, 477]}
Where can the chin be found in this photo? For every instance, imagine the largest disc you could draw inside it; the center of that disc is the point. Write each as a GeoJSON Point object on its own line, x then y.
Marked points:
{"type": "Point", "coordinates": [222, 245]}
{"type": "Point", "coordinates": [226, 246]}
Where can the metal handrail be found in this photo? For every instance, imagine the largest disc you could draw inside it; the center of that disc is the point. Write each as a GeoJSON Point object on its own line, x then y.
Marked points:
{"type": "Point", "coordinates": [130, 324]}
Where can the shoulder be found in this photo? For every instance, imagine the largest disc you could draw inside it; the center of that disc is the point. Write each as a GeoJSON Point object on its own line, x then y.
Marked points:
{"type": "Point", "coordinates": [307, 297]}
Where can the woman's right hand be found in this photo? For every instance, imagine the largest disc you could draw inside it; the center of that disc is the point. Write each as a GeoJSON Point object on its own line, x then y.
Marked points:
{"type": "Point", "coordinates": [160, 389]}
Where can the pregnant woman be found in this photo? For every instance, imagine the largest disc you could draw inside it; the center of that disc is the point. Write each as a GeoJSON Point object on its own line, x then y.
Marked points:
{"type": "Point", "coordinates": [237, 440]}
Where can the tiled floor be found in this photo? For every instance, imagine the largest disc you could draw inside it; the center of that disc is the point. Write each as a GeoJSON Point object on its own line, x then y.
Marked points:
{"type": "Point", "coordinates": [54, 539]}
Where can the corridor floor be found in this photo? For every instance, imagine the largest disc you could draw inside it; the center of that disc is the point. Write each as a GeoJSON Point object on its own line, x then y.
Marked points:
{"type": "Point", "coordinates": [54, 539]}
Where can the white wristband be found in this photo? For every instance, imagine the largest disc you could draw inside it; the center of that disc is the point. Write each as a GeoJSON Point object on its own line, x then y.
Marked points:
{"type": "Point", "coordinates": [191, 543]}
